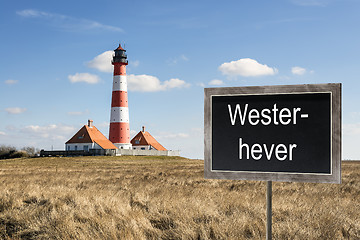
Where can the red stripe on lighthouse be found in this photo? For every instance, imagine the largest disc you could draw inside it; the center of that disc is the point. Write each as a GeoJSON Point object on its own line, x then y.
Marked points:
{"type": "Point", "coordinates": [119, 69]}
{"type": "Point", "coordinates": [119, 127]}
{"type": "Point", "coordinates": [119, 99]}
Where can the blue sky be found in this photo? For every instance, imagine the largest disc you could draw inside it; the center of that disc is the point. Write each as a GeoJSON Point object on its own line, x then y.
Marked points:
{"type": "Point", "coordinates": [55, 70]}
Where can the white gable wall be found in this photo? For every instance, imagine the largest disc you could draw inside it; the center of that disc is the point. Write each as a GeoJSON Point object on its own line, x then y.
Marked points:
{"type": "Point", "coordinates": [81, 146]}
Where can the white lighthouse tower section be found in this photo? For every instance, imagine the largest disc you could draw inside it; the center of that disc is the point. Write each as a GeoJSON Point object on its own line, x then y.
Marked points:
{"type": "Point", "coordinates": [120, 83]}
{"type": "Point", "coordinates": [119, 114]}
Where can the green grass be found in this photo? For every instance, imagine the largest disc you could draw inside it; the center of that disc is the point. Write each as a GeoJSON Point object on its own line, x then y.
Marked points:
{"type": "Point", "coordinates": [131, 197]}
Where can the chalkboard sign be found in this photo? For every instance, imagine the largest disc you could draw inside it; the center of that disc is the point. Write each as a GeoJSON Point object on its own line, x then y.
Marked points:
{"type": "Point", "coordinates": [277, 133]}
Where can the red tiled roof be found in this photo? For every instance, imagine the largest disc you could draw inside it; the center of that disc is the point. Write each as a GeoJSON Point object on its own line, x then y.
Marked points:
{"type": "Point", "coordinates": [119, 47]}
{"type": "Point", "coordinates": [90, 135]}
{"type": "Point", "coordinates": [145, 138]}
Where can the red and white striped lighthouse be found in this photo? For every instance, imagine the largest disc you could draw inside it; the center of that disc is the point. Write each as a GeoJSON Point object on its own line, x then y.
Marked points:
{"type": "Point", "coordinates": [119, 132]}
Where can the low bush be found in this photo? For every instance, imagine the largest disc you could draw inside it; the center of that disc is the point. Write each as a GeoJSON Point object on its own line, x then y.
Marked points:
{"type": "Point", "coordinates": [19, 154]}
{"type": "Point", "coordinates": [7, 152]}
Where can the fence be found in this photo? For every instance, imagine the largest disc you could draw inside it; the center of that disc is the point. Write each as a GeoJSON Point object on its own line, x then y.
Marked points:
{"type": "Point", "coordinates": [109, 152]}
{"type": "Point", "coordinates": [91, 152]}
{"type": "Point", "coordinates": [133, 152]}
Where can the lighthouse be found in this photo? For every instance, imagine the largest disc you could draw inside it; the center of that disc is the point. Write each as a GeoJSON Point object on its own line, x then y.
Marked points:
{"type": "Point", "coordinates": [119, 132]}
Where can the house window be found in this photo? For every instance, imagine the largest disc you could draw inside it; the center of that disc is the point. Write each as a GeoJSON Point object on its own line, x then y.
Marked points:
{"type": "Point", "coordinates": [137, 142]}
{"type": "Point", "coordinates": [86, 148]}
{"type": "Point", "coordinates": [142, 148]}
{"type": "Point", "coordinates": [75, 147]}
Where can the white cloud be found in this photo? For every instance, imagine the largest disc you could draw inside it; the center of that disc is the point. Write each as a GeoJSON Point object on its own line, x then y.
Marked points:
{"type": "Point", "coordinates": [11, 81]}
{"type": "Point", "coordinates": [183, 57]}
{"type": "Point", "coordinates": [147, 83]}
{"type": "Point", "coordinates": [66, 22]}
{"type": "Point", "coordinates": [15, 110]}
{"type": "Point", "coordinates": [51, 131]}
{"type": "Point", "coordinates": [355, 115]}
{"type": "Point", "coordinates": [175, 83]}
{"type": "Point", "coordinates": [75, 113]}
{"type": "Point", "coordinates": [172, 135]}
{"type": "Point", "coordinates": [133, 132]}
{"type": "Point", "coordinates": [31, 13]}
{"type": "Point", "coordinates": [319, 3]}
{"type": "Point", "coordinates": [84, 77]}
{"type": "Point", "coordinates": [49, 136]}
{"type": "Point", "coordinates": [144, 83]}
{"type": "Point", "coordinates": [173, 61]}
{"type": "Point", "coordinates": [350, 141]}
{"type": "Point", "coordinates": [10, 128]}
{"type": "Point", "coordinates": [190, 142]}
{"type": "Point", "coordinates": [246, 67]}
{"type": "Point", "coordinates": [102, 125]}
{"type": "Point", "coordinates": [135, 63]}
{"type": "Point", "coordinates": [268, 23]}
{"type": "Point", "coordinates": [298, 70]}
{"type": "Point", "coordinates": [2, 133]}
{"type": "Point", "coordinates": [351, 129]}
{"type": "Point", "coordinates": [216, 82]}
{"type": "Point", "coordinates": [102, 62]}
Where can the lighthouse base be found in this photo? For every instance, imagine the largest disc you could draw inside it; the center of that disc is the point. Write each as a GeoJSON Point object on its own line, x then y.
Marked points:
{"type": "Point", "coordinates": [123, 145]}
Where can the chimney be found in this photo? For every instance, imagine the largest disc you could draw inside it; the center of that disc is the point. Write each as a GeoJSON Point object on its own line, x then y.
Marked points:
{"type": "Point", "coordinates": [143, 128]}
{"type": "Point", "coordinates": [90, 123]}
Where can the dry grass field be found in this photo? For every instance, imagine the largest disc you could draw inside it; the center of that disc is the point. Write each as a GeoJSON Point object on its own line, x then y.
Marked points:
{"type": "Point", "coordinates": [165, 198]}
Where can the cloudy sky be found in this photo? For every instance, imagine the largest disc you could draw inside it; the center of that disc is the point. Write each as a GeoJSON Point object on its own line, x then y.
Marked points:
{"type": "Point", "coordinates": [56, 72]}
